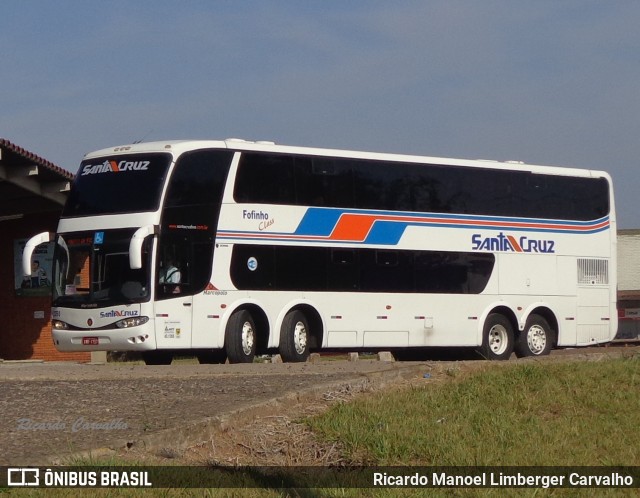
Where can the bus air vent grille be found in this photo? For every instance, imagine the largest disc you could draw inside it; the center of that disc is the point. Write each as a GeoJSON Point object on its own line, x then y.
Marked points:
{"type": "Point", "coordinates": [593, 271]}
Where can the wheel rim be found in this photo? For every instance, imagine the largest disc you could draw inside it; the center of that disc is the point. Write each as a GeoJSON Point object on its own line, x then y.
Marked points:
{"type": "Point", "coordinates": [498, 339]}
{"type": "Point", "coordinates": [247, 338]}
{"type": "Point", "coordinates": [300, 338]}
{"type": "Point", "coordinates": [536, 339]}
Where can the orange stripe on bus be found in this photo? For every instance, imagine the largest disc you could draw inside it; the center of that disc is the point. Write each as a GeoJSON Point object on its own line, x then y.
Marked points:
{"type": "Point", "coordinates": [353, 227]}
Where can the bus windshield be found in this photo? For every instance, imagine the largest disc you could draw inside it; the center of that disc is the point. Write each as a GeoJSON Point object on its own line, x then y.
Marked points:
{"type": "Point", "coordinates": [119, 184]}
{"type": "Point", "coordinates": [93, 268]}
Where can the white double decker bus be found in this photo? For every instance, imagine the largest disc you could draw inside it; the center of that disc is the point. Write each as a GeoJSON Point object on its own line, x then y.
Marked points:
{"type": "Point", "coordinates": [228, 249]}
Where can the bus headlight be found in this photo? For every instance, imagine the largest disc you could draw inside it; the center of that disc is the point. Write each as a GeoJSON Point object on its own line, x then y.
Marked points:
{"type": "Point", "coordinates": [59, 325]}
{"type": "Point", "coordinates": [133, 321]}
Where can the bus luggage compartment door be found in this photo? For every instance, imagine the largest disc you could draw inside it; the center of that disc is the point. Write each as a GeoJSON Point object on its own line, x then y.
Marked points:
{"type": "Point", "coordinates": [173, 323]}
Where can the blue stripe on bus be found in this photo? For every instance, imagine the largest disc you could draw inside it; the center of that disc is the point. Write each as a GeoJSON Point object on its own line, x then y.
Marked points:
{"type": "Point", "coordinates": [318, 225]}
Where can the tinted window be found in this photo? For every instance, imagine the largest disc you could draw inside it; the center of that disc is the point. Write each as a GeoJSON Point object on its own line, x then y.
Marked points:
{"type": "Point", "coordinates": [253, 267]}
{"type": "Point", "coordinates": [256, 267]}
{"type": "Point", "coordinates": [118, 184]}
{"type": "Point", "coordinates": [395, 186]}
{"type": "Point", "coordinates": [199, 178]}
{"type": "Point", "coordinates": [452, 272]}
{"type": "Point", "coordinates": [380, 185]}
{"type": "Point", "coordinates": [329, 181]}
{"type": "Point", "coordinates": [265, 178]}
{"type": "Point", "coordinates": [296, 269]}
{"type": "Point", "coordinates": [343, 269]}
{"type": "Point", "coordinates": [386, 271]}
{"type": "Point", "coordinates": [561, 196]}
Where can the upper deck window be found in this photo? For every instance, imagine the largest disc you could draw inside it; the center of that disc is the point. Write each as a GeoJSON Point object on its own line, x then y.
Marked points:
{"type": "Point", "coordinates": [428, 188]}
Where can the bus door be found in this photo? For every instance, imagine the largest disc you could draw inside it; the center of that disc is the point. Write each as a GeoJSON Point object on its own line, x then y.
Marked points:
{"type": "Point", "coordinates": [187, 231]}
{"type": "Point", "coordinates": [174, 302]}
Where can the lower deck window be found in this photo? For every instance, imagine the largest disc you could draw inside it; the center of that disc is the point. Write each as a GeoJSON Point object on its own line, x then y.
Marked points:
{"type": "Point", "coordinates": [258, 267]}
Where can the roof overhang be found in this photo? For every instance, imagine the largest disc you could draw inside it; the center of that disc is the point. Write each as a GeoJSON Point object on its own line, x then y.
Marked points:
{"type": "Point", "coordinates": [29, 184]}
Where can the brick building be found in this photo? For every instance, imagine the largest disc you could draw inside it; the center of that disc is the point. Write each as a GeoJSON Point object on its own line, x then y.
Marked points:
{"type": "Point", "coordinates": [32, 193]}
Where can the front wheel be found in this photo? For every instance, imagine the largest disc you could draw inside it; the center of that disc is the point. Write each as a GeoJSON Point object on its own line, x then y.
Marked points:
{"type": "Point", "coordinates": [294, 337]}
{"type": "Point", "coordinates": [536, 339]}
{"type": "Point", "coordinates": [497, 338]}
{"type": "Point", "coordinates": [240, 338]}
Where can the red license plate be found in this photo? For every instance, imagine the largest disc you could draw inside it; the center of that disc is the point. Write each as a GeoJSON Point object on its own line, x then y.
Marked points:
{"type": "Point", "coordinates": [90, 341]}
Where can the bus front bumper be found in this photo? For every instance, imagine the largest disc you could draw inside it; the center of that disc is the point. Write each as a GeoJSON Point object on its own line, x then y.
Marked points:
{"type": "Point", "coordinates": [133, 339]}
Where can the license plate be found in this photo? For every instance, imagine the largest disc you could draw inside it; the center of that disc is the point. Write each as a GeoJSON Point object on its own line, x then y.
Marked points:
{"type": "Point", "coordinates": [90, 341]}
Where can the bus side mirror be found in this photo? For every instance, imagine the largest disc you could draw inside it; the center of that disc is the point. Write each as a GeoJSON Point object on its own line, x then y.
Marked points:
{"type": "Point", "coordinates": [135, 246]}
{"type": "Point", "coordinates": [32, 243]}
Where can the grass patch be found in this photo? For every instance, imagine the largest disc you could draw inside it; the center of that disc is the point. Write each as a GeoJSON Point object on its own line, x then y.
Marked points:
{"type": "Point", "coordinates": [556, 414]}
{"type": "Point", "coordinates": [525, 414]}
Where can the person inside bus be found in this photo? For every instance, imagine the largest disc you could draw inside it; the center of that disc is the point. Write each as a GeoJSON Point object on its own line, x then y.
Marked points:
{"type": "Point", "coordinates": [171, 275]}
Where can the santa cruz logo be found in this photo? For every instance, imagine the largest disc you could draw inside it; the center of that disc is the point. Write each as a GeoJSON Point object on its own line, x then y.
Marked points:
{"type": "Point", "coordinates": [114, 167]}
{"type": "Point", "coordinates": [509, 243]}
{"type": "Point", "coordinates": [118, 313]}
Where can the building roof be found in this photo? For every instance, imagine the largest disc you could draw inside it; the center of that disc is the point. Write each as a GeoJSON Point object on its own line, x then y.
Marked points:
{"type": "Point", "coordinates": [28, 183]}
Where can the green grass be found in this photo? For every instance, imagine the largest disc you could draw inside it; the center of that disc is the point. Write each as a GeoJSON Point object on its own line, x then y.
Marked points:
{"type": "Point", "coordinates": [531, 414]}
{"type": "Point", "coordinates": [576, 413]}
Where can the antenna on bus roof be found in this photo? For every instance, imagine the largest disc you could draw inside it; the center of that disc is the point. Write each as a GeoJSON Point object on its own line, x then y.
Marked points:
{"type": "Point", "coordinates": [143, 137]}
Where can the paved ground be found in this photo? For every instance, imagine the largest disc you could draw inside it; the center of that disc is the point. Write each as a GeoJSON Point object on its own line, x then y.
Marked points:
{"type": "Point", "coordinates": [52, 410]}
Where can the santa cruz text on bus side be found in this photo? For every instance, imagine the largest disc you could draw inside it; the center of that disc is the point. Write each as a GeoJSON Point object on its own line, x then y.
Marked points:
{"type": "Point", "coordinates": [509, 243]}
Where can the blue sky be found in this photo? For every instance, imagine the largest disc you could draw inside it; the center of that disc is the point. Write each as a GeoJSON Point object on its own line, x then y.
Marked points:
{"type": "Point", "coordinates": [545, 82]}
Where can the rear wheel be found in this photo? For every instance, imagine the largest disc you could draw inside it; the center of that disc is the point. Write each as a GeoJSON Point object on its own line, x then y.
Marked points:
{"type": "Point", "coordinates": [536, 339]}
{"type": "Point", "coordinates": [240, 338]}
{"type": "Point", "coordinates": [497, 338]}
{"type": "Point", "coordinates": [157, 357]}
{"type": "Point", "coordinates": [294, 337]}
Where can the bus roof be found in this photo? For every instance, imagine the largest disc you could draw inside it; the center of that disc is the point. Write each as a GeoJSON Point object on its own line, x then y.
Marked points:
{"type": "Point", "coordinates": [177, 147]}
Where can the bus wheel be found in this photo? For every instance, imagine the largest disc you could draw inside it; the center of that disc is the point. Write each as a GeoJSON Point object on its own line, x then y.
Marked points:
{"type": "Point", "coordinates": [240, 338]}
{"type": "Point", "coordinates": [157, 358]}
{"type": "Point", "coordinates": [294, 337]}
{"type": "Point", "coordinates": [497, 338]}
{"type": "Point", "coordinates": [536, 339]}
{"type": "Point", "coordinates": [212, 357]}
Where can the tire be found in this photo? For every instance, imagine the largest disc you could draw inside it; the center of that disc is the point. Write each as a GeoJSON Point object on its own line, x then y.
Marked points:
{"type": "Point", "coordinates": [157, 357]}
{"type": "Point", "coordinates": [240, 338]}
{"type": "Point", "coordinates": [536, 339]}
{"type": "Point", "coordinates": [294, 338]}
{"type": "Point", "coordinates": [497, 338]}
{"type": "Point", "coordinates": [212, 357]}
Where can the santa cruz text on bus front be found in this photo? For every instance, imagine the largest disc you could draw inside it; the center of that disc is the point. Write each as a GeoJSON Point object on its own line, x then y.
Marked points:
{"type": "Point", "coordinates": [115, 167]}
{"type": "Point", "coordinates": [509, 243]}
{"type": "Point", "coordinates": [117, 313]}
